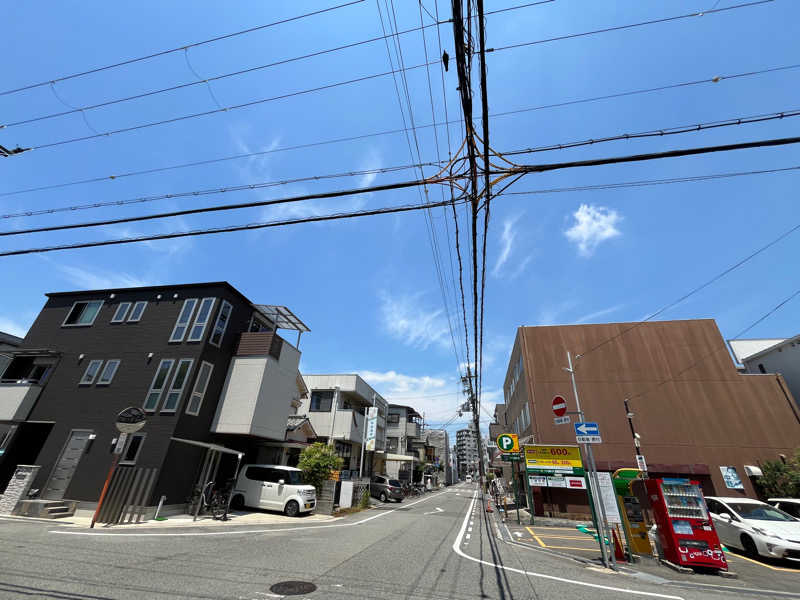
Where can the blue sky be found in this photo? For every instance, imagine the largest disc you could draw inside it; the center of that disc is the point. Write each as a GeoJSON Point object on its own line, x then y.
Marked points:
{"type": "Point", "coordinates": [368, 287]}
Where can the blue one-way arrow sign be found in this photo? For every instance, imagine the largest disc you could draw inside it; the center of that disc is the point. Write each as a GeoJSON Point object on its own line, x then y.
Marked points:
{"type": "Point", "coordinates": [587, 433]}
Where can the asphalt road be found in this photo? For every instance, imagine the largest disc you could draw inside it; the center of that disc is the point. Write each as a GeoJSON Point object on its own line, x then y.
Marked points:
{"type": "Point", "coordinates": [440, 546]}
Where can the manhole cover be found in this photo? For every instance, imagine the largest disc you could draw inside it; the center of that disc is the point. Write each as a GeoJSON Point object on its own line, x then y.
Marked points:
{"type": "Point", "coordinates": [293, 588]}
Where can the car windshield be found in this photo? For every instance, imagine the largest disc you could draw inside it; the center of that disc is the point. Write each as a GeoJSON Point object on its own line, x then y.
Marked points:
{"type": "Point", "coordinates": [294, 477]}
{"type": "Point", "coordinates": [760, 512]}
{"type": "Point", "coordinates": [395, 483]}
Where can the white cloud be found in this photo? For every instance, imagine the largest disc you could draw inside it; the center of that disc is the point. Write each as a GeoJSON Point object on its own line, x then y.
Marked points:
{"type": "Point", "coordinates": [404, 317]}
{"type": "Point", "coordinates": [13, 327]}
{"type": "Point", "coordinates": [593, 224]}
{"type": "Point", "coordinates": [598, 313]}
{"type": "Point", "coordinates": [98, 279]}
{"type": "Point", "coordinates": [506, 245]}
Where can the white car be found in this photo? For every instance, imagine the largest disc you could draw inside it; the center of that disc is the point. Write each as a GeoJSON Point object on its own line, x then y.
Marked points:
{"type": "Point", "coordinates": [787, 505]}
{"type": "Point", "coordinates": [468, 479]}
{"type": "Point", "coordinates": [755, 527]}
{"type": "Point", "coordinates": [274, 487]}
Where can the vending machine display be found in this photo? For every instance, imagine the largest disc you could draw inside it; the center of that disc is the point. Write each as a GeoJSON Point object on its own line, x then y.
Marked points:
{"type": "Point", "coordinates": [685, 530]}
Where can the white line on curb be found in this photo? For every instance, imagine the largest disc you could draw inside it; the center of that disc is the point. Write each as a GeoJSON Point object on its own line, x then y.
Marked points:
{"type": "Point", "coordinates": [457, 549]}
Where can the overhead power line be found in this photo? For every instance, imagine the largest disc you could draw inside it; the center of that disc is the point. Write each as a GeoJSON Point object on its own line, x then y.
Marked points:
{"type": "Point", "coordinates": [210, 191]}
{"type": "Point", "coordinates": [629, 26]}
{"type": "Point", "coordinates": [227, 207]}
{"type": "Point", "coordinates": [228, 229]}
{"type": "Point", "coordinates": [177, 49]}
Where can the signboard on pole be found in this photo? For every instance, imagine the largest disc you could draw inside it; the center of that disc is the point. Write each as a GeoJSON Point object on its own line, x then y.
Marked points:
{"type": "Point", "coordinates": [570, 483]}
{"type": "Point", "coordinates": [372, 428]}
{"type": "Point", "coordinates": [562, 420]}
{"type": "Point", "coordinates": [608, 497]}
{"type": "Point", "coordinates": [508, 442]}
{"type": "Point", "coordinates": [123, 437]}
{"type": "Point", "coordinates": [588, 433]}
{"type": "Point", "coordinates": [640, 463]}
{"type": "Point", "coordinates": [559, 406]}
{"type": "Point", "coordinates": [510, 457]}
{"type": "Point", "coordinates": [561, 459]}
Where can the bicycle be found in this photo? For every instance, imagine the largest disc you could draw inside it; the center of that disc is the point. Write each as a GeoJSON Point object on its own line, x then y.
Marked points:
{"type": "Point", "coordinates": [215, 500]}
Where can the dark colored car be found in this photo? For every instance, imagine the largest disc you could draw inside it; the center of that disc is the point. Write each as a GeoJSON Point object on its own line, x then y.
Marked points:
{"type": "Point", "coordinates": [385, 489]}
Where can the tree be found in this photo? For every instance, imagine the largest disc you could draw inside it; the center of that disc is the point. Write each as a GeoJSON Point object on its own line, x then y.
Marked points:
{"type": "Point", "coordinates": [317, 461]}
{"type": "Point", "coordinates": [781, 479]}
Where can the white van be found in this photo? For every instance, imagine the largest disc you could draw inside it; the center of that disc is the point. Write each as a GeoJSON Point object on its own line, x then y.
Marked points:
{"type": "Point", "coordinates": [468, 479]}
{"type": "Point", "coordinates": [274, 487]}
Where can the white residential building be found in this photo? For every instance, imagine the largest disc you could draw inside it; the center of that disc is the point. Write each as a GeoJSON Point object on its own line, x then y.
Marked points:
{"type": "Point", "coordinates": [774, 355]}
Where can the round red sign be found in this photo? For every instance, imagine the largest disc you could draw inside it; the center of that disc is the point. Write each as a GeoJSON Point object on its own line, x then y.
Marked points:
{"type": "Point", "coordinates": [559, 406]}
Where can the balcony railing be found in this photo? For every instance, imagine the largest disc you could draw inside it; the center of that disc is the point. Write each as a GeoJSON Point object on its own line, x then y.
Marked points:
{"type": "Point", "coordinates": [260, 343]}
{"type": "Point", "coordinates": [17, 400]}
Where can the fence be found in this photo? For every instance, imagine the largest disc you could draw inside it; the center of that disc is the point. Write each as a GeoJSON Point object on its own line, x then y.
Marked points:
{"type": "Point", "coordinates": [128, 493]}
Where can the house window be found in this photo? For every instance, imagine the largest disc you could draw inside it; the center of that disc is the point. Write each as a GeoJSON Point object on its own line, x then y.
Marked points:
{"type": "Point", "coordinates": [345, 451]}
{"type": "Point", "coordinates": [121, 312]}
{"type": "Point", "coordinates": [132, 449]}
{"type": "Point", "coordinates": [201, 320]}
{"type": "Point", "coordinates": [136, 313]}
{"type": "Point", "coordinates": [82, 314]}
{"type": "Point", "coordinates": [321, 401]}
{"type": "Point", "coordinates": [391, 444]}
{"type": "Point", "coordinates": [178, 383]}
{"type": "Point", "coordinates": [91, 372]}
{"type": "Point", "coordinates": [221, 324]}
{"type": "Point", "coordinates": [393, 419]}
{"type": "Point", "coordinates": [199, 391]}
{"type": "Point", "coordinates": [182, 324]}
{"type": "Point", "coordinates": [157, 387]}
{"type": "Point", "coordinates": [761, 368]}
{"type": "Point", "coordinates": [108, 372]}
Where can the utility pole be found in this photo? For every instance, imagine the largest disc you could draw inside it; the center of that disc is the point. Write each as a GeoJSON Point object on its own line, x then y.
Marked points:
{"type": "Point", "coordinates": [594, 487]}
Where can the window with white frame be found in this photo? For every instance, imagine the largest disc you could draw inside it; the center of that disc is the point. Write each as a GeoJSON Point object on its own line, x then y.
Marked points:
{"type": "Point", "coordinates": [178, 383]}
{"type": "Point", "coordinates": [133, 447]}
{"type": "Point", "coordinates": [200, 387]}
{"type": "Point", "coordinates": [82, 313]}
{"type": "Point", "coordinates": [221, 324]}
{"type": "Point", "coordinates": [157, 387]}
{"type": "Point", "coordinates": [201, 320]}
{"type": "Point", "coordinates": [121, 312]}
{"type": "Point", "coordinates": [108, 372]}
{"type": "Point", "coordinates": [138, 310]}
{"type": "Point", "coordinates": [91, 372]}
{"type": "Point", "coordinates": [184, 318]}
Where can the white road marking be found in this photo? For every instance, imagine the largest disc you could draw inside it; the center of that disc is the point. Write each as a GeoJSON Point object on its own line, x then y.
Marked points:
{"type": "Point", "coordinates": [457, 549]}
{"type": "Point", "coordinates": [469, 535]}
{"type": "Point", "coordinates": [518, 534]}
{"type": "Point", "coordinates": [435, 511]}
{"type": "Point", "coordinates": [469, 529]}
{"type": "Point", "coordinates": [270, 595]}
{"type": "Point", "coordinates": [198, 533]}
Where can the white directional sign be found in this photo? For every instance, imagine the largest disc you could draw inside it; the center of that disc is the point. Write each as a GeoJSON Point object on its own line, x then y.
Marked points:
{"type": "Point", "coordinates": [587, 433]}
{"type": "Point", "coordinates": [562, 420]}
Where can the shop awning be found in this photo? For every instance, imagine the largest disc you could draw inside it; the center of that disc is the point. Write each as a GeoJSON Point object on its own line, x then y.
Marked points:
{"type": "Point", "coordinates": [401, 457]}
{"type": "Point", "coordinates": [214, 447]}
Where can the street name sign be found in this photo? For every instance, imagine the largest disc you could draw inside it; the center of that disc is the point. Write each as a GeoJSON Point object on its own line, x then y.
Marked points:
{"type": "Point", "coordinates": [587, 433]}
{"type": "Point", "coordinates": [555, 459]}
{"type": "Point", "coordinates": [559, 406]}
{"type": "Point", "coordinates": [508, 442]}
{"type": "Point", "coordinates": [562, 420]}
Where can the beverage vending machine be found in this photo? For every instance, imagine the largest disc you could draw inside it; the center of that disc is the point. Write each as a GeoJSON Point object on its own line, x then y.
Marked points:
{"type": "Point", "coordinates": [685, 529]}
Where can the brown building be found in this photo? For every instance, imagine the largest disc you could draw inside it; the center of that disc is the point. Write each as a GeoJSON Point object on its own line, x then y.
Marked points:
{"type": "Point", "coordinates": [693, 410]}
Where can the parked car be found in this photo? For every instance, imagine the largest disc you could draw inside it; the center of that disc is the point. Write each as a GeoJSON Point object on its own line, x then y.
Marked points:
{"type": "Point", "coordinates": [385, 489]}
{"type": "Point", "coordinates": [787, 505]}
{"type": "Point", "coordinates": [274, 487]}
{"type": "Point", "coordinates": [755, 527]}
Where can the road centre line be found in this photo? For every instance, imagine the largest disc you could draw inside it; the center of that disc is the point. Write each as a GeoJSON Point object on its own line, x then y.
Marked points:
{"type": "Point", "coordinates": [200, 533]}
{"type": "Point", "coordinates": [457, 550]}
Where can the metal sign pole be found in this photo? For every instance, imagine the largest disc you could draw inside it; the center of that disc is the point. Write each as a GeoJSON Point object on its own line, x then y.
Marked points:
{"type": "Point", "coordinates": [600, 525]}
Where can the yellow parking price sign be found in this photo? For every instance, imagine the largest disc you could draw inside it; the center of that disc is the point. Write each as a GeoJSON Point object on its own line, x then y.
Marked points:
{"type": "Point", "coordinates": [552, 458]}
{"type": "Point", "coordinates": [508, 442]}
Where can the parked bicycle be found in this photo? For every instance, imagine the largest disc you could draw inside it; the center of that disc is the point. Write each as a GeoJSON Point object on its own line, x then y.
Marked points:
{"type": "Point", "coordinates": [213, 499]}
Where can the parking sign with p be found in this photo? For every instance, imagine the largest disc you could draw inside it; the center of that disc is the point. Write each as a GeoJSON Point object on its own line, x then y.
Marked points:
{"type": "Point", "coordinates": [508, 442]}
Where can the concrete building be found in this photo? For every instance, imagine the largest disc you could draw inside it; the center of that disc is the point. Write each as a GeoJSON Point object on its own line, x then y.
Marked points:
{"type": "Point", "coordinates": [403, 433]}
{"type": "Point", "coordinates": [467, 451]}
{"type": "Point", "coordinates": [204, 362]}
{"type": "Point", "coordinates": [439, 441]}
{"type": "Point", "coordinates": [337, 407]}
{"type": "Point", "coordinates": [763, 356]}
{"type": "Point", "coordinates": [696, 414]}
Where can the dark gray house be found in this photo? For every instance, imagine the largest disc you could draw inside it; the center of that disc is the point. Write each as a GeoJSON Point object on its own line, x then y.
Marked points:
{"type": "Point", "coordinates": [202, 360]}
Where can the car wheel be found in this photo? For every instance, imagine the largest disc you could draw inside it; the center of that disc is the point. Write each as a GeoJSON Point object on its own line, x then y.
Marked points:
{"type": "Point", "coordinates": [237, 503]}
{"type": "Point", "coordinates": [749, 546]}
{"type": "Point", "coordinates": [383, 497]}
{"type": "Point", "coordinates": [292, 508]}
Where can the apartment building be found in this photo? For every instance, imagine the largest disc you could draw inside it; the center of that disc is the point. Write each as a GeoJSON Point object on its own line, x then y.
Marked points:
{"type": "Point", "coordinates": [467, 451]}
{"type": "Point", "coordinates": [204, 362]}
{"type": "Point", "coordinates": [337, 408]}
{"type": "Point", "coordinates": [696, 414]}
{"type": "Point", "coordinates": [771, 356]}
{"type": "Point", "coordinates": [403, 433]}
{"type": "Point", "coordinates": [438, 441]}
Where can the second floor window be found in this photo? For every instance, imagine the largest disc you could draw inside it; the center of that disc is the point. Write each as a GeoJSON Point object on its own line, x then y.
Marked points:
{"type": "Point", "coordinates": [182, 324]}
{"type": "Point", "coordinates": [157, 387]}
{"type": "Point", "coordinates": [221, 324]}
{"type": "Point", "coordinates": [178, 383]}
{"type": "Point", "coordinates": [321, 400]}
{"type": "Point", "coordinates": [201, 320]}
{"type": "Point", "coordinates": [200, 387]}
{"type": "Point", "coordinates": [108, 372]}
{"type": "Point", "coordinates": [82, 314]}
{"type": "Point", "coordinates": [393, 419]}
{"type": "Point", "coordinates": [92, 369]}
{"type": "Point", "coordinates": [121, 312]}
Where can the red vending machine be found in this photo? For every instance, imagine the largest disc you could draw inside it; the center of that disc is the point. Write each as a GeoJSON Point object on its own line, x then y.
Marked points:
{"type": "Point", "coordinates": [685, 530]}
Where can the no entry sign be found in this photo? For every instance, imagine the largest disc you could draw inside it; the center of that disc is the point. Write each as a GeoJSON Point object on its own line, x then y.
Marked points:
{"type": "Point", "coordinates": [559, 406]}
